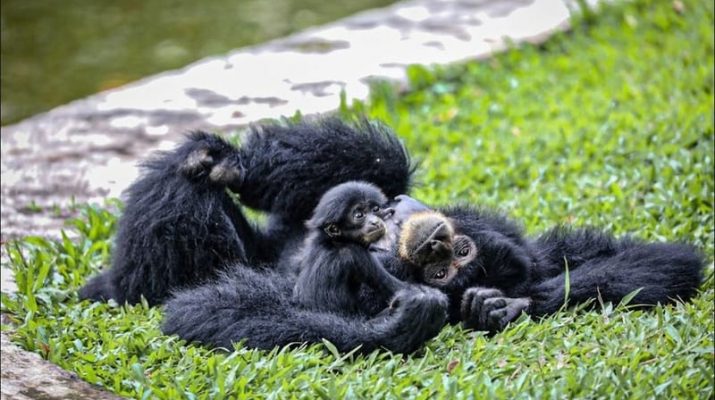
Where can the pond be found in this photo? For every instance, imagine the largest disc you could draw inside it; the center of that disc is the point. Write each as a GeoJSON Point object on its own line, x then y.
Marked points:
{"type": "Point", "coordinates": [56, 51]}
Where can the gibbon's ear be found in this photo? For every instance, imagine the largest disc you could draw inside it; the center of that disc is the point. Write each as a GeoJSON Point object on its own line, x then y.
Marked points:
{"type": "Point", "coordinates": [332, 230]}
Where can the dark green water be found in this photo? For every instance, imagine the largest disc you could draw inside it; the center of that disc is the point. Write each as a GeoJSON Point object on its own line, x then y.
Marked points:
{"type": "Point", "coordinates": [55, 51]}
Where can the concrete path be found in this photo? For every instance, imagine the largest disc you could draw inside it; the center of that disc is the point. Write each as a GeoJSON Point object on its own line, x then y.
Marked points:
{"type": "Point", "coordinates": [86, 151]}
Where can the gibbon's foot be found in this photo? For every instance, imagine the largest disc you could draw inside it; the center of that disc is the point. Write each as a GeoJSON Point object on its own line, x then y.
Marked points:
{"type": "Point", "coordinates": [487, 309]}
{"type": "Point", "coordinates": [213, 159]}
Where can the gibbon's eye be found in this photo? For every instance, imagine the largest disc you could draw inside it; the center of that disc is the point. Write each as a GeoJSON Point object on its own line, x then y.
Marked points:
{"type": "Point", "coordinates": [358, 214]}
{"type": "Point", "coordinates": [440, 274]}
{"type": "Point", "coordinates": [464, 251]}
{"type": "Point", "coordinates": [464, 247]}
{"type": "Point", "coordinates": [375, 209]}
{"type": "Point", "coordinates": [332, 230]}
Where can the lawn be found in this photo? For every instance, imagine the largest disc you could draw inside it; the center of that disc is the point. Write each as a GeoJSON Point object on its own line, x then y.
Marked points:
{"type": "Point", "coordinates": [609, 125]}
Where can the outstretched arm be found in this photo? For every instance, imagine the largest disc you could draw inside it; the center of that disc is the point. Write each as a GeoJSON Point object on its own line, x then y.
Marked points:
{"type": "Point", "coordinates": [255, 307]}
{"type": "Point", "coordinates": [661, 272]}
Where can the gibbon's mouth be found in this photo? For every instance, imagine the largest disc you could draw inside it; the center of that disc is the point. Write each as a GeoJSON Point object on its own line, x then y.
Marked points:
{"type": "Point", "coordinates": [374, 234]}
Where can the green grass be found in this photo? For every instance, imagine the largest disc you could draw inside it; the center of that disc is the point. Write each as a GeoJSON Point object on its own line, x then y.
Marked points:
{"type": "Point", "coordinates": [609, 125]}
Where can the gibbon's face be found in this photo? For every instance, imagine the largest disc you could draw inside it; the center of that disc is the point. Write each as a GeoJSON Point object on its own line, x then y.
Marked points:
{"type": "Point", "coordinates": [365, 222]}
{"type": "Point", "coordinates": [404, 206]}
{"type": "Point", "coordinates": [428, 241]}
{"type": "Point", "coordinates": [352, 212]}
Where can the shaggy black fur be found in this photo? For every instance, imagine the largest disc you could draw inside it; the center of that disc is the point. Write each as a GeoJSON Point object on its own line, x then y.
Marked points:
{"type": "Point", "coordinates": [257, 308]}
{"type": "Point", "coordinates": [512, 273]}
{"type": "Point", "coordinates": [180, 228]}
{"type": "Point", "coordinates": [288, 168]}
{"type": "Point", "coordinates": [335, 261]}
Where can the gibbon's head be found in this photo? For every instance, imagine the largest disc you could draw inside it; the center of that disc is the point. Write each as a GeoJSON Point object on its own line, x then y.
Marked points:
{"type": "Point", "coordinates": [428, 241]}
{"type": "Point", "coordinates": [352, 211]}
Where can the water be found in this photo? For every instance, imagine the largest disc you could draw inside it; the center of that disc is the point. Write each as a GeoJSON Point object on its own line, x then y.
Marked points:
{"type": "Point", "coordinates": [55, 51]}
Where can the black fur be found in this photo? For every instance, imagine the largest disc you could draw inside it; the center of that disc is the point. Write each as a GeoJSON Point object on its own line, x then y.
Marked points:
{"type": "Point", "coordinates": [290, 167]}
{"type": "Point", "coordinates": [530, 275]}
{"type": "Point", "coordinates": [180, 229]}
{"type": "Point", "coordinates": [256, 307]}
{"type": "Point", "coordinates": [333, 265]}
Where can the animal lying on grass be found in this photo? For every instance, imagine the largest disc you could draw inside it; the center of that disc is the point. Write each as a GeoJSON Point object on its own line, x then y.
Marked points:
{"type": "Point", "coordinates": [335, 262]}
{"type": "Point", "coordinates": [185, 242]}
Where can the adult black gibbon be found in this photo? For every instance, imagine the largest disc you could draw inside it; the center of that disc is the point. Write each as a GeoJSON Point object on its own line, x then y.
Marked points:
{"type": "Point", "coordinates": [494, 273]}
{"type": "Point", "coordinates": [183, 238]}
{"type": "Point", "coordinates": [180, 226]}
{"type": "Point", "coordinates": [182, 234]}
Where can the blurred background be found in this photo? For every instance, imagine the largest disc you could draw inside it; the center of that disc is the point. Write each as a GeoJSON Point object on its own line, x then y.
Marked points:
{"type": "Point", "coordinates": [57, 51]}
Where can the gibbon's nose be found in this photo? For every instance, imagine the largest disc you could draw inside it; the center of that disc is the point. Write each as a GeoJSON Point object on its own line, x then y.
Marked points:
{"type": "Point", "coordinates": [374, 221]}
{"type": "Point", "coordinates": [440, 248]}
